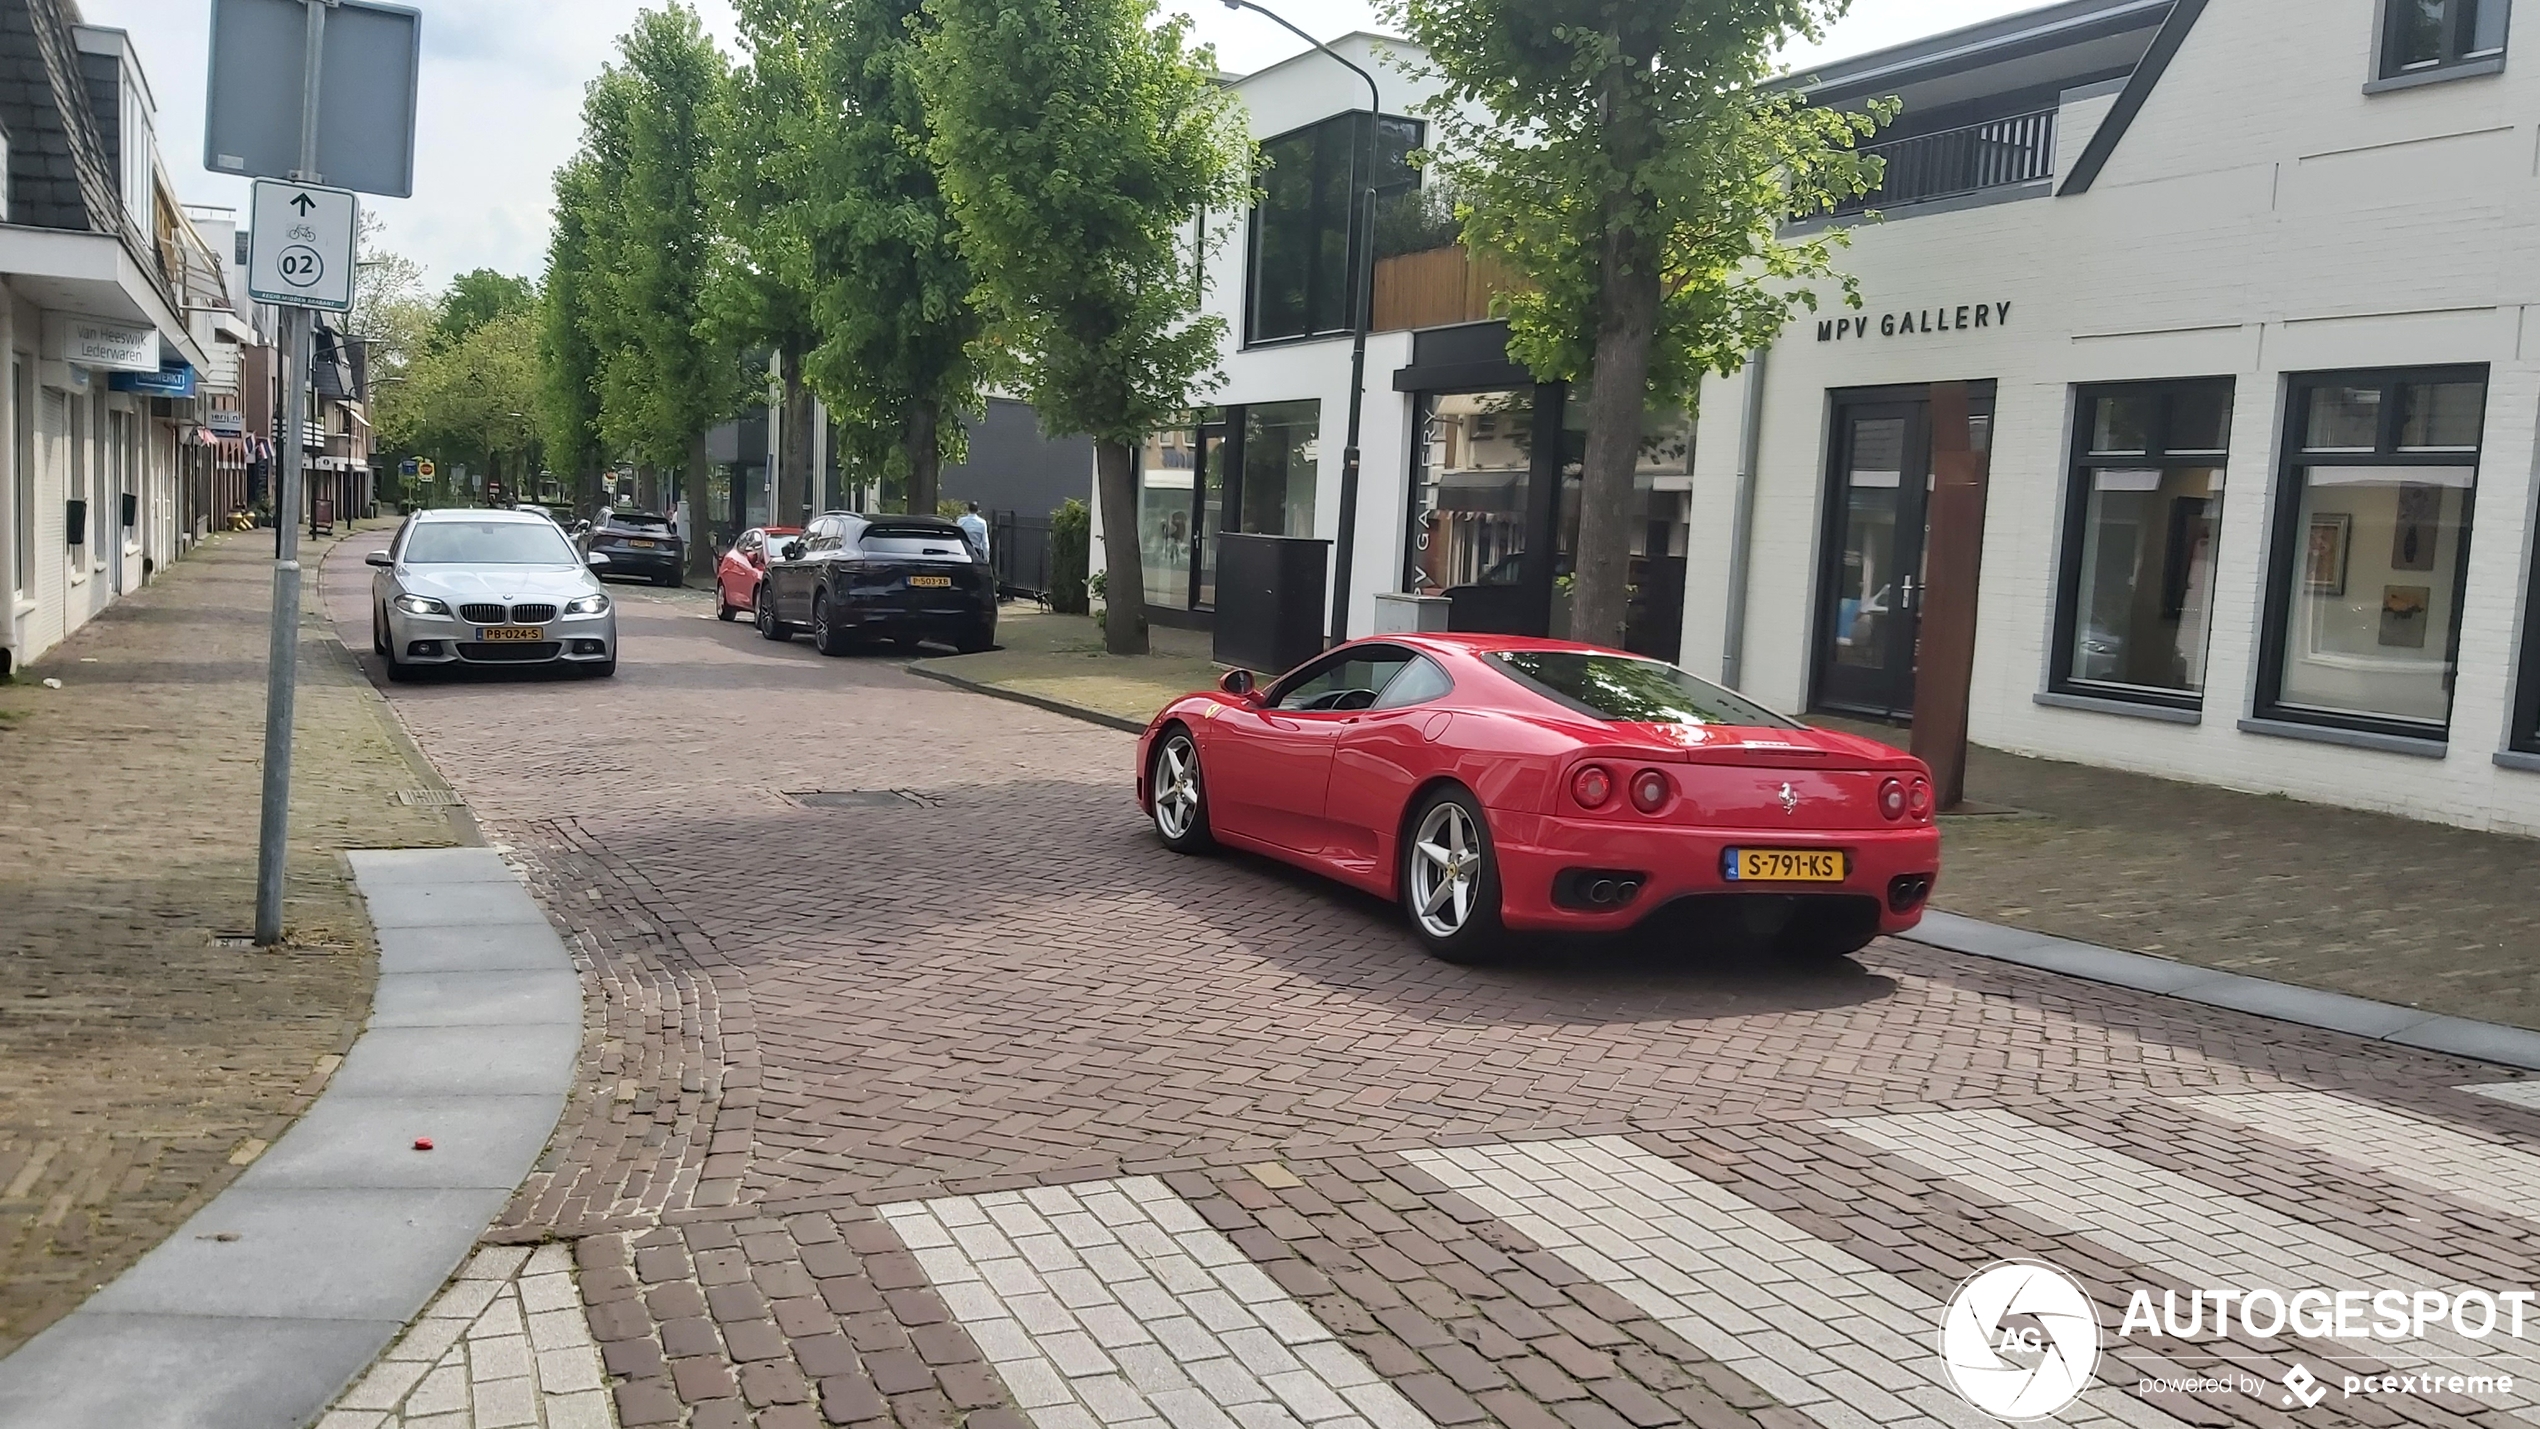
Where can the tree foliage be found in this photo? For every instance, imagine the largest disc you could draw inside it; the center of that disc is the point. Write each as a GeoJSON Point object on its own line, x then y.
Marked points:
{"type": "Point", "coordinates": [1625, 159]}
{"type": "Point", "coordinates": [477, 298]}
{"type": "Point", "coordinates": [1075, 141]}
{"type": "Point", "coordinates": [568, 359]}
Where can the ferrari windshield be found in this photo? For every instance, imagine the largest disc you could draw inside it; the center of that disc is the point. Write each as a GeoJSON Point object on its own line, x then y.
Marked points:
{"type": "Point", "coordinates": [1625, 689]}
{"type": "Point", "coordinates": [488, 543]}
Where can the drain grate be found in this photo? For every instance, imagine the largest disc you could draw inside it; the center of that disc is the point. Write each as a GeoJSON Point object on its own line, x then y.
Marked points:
{"type": "Point", "coordinates": [431, 799]}
{"type": "Point", "coordinates": [860, 799]}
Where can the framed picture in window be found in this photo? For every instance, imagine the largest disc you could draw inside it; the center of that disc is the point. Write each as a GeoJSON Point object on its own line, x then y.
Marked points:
{"type": "Point", "coordinates": [2324, 562]}
{"type": "Point", "coordinates": [2403, 616]}
{"type": "Point", "coordinates": [2420, 515]}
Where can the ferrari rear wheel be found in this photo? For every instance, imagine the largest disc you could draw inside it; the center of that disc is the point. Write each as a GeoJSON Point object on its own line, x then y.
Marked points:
{"type": "Point", "coordinates": [1450, 879]}
{"type": "Point", "coordinates": [1178, 795]}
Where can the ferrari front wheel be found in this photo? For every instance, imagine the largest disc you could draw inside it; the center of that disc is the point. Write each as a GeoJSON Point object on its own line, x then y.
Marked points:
{"type": "Point", "coordinates": [1450, 879]}
{"type": "Point", "coordinates": [1179, 798]}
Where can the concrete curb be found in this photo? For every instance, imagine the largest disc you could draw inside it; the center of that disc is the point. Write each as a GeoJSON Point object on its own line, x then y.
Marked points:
{"type": "Point", "coordinates": [2284, 1002]}
{"type": "Point", "coordinates": [2301, 1006]}
{"type": "Point", "coordinates": [1041, 702]}
{"type": "Point", "coordinates": [264, 1305]}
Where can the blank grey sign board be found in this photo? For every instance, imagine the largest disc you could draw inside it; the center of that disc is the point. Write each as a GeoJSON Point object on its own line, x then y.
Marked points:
{"type": "Point", "coordinates": [366, 93]}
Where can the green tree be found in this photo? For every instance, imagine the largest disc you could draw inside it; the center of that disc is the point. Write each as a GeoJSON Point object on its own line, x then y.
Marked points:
{"type": "Point", "coordinates": [1076, 140]}
{"type": "Point", "coordinates": [568, 361]}
{"type": "Point", "coordinates": [664, 379]}
{"type": "Point", "coordinates": [477, 298]}
{"type": "Point", "coordinates": [893, 287]}
{"type": "Point", "coordinates": [475, 400]}
{"type": "Point", "coordinates": [760, 296]}
{"type": "Point", "coordinates": [1624, 158]}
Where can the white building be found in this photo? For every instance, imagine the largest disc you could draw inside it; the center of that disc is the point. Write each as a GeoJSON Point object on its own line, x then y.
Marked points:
{"type": "Point", "coordinates": [2248, 364]}
{"type": "Point", "coordinates": [113, 299]}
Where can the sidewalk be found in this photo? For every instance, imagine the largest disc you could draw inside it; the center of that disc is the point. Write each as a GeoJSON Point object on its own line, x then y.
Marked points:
{"type": "Point", "coordinates": [142, 1064]}
{"type": "Point", "coordinates": [1058, 660]}
{"type": "Point", "coordinates": [2419, 915]}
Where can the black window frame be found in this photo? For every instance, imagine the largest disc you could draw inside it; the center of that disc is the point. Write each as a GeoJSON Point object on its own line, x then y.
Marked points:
{"type": "Point", "coordinates": [1353, 120]}
{"type": "Point", "coordinates": [2083, 463]}
{"type": "Point", "coordinates": [2456, 60]}
{"type": "Point", "coordinates": [2287, 543]}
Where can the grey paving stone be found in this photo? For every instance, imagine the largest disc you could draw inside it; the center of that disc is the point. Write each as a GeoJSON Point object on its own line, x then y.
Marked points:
{"type": "Point", "coordinates": [384, 868]}
{"type": "Point", "coordinates": [354, 1141]}
{"type": "Point", "coordinates": [450, 905]}
{"type": "Point", "coordinates": [183, 1370]}
{"type": "Point", "coordinates": [307, 1254]}
{"type": "Point", "coordinates": [2485, 1041]}
{"type": "Point", "coordinates": [460, 1061]}
{"type": "Point", "coordinates": [477, 998]}
{"type": "Point", "coordinates": [2308, 1006]}
{"type": "Point", "coordinates": [494, 947]}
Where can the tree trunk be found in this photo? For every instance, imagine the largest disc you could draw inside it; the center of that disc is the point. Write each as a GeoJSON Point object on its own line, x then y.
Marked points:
{"type": "Point", "coordinates": [692, 500]}
{"type": "Point", "coordinates": [1124, 630]}
{"type": "Point", "coordinates": [923, 443]}
{"type": "Point", "coordinates": [794, 495]}
{"type": "Point", "coordinates": [1617, 409]}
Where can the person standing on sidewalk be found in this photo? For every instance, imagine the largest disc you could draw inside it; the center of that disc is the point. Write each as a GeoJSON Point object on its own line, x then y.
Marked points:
{"type": "Point", "coordinates": [975, 526]}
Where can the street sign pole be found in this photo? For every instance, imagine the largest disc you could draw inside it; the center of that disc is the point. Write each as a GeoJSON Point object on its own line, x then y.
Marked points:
{"type": "Point", "coordinates": [282, 663]}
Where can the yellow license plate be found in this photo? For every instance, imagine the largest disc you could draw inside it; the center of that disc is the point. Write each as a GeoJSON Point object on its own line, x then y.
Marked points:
{"type": "Point", "coordinates": [497, 633]}
{"type": "Point", "coordinates": [1784, 865]}
{"type": "Point", "coordinates": [646, 545]}
{"type": "Point", "coordinates": [931, 582]}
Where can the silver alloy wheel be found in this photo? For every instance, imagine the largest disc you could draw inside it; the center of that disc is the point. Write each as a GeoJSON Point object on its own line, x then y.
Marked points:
{"type": "Point", "coordinates": [766, 611]}
{"type": "Point", "coordinates": [820, 622]}
{"type": "Point", "coordinates": [1446, 870]}
{"type": "Point", "coordinates": [1177, 789]}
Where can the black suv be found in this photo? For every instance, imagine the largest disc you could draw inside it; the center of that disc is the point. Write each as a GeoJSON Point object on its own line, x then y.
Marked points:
{"type": "Point", "coordinates": [637, 543]}
{"type": "Point", "coordinates": [901, 579]}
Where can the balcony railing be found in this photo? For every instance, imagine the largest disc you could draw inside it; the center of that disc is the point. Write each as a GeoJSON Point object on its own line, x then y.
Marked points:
{"type": "Point", "coordinates": [1995, 154]}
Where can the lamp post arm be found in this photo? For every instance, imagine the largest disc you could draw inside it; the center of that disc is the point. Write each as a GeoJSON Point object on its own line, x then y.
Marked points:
{"type": "Point", "coordinates": [1375, 98]}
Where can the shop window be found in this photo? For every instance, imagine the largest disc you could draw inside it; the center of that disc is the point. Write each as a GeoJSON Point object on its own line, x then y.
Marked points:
{"type": "Point", "coordinates": [2437, 37]}
{"type": "Point", "coordinates": [2135, 607]}
{"type": "Point", "coordinates": [1281, 441]}
{"type": "Point", "coordinates": [2372, 540]}
{"type": "Point", "coordinates": [1299, 285]}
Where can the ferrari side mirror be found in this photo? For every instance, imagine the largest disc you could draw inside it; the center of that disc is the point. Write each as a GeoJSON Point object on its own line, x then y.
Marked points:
{"type": "Point", "coordinates": [1237, 683]}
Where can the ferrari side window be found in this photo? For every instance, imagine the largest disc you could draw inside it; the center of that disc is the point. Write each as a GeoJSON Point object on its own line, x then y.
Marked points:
{"type": "Point", "coordinates": [1349, 681]}
{"type": "Point", "coordinates": [1420, 682]}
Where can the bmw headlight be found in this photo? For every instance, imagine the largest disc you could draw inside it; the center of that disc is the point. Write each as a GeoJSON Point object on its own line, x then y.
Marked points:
{"type": "Point", "coordinates": [420, 605]}
{"type": "Point", "coordinates": [588, 605]}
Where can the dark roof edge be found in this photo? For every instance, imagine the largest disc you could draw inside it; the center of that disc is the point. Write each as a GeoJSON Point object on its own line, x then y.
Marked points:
{"type": "Point", "coordinates": [2112, 129]}
{"type": "Point", "coordinates": [1984, 42]}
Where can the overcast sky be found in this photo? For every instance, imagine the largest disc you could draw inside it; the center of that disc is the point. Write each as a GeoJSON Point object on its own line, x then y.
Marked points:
{"type": "Point", "coordinates": [502, 92]}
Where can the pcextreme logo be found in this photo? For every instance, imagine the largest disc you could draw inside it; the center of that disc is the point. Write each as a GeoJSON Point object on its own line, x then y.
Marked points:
{"type": "Point", "coordinates": [2020, 1339]}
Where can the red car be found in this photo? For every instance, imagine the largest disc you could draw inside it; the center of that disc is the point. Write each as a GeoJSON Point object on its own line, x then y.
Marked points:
{"type": "Point", "coordinates": [1493, 785]}
{"type": "Point", "coordinates": [737, 575]}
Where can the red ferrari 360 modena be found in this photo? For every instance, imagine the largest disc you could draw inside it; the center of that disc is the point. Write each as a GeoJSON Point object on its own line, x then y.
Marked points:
{"type": "Point", "coordinates": [1492, 784]}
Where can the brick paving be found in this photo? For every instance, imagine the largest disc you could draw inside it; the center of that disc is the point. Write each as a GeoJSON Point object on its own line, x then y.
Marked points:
{"type": "Point", "coordinates": [141, 1065]}
{"type": "Point", "coordinates": [996, 985]}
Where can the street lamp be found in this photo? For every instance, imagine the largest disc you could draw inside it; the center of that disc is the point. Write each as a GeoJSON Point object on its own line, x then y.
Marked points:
{"type": "Point", "coordinates": [1362, 197]}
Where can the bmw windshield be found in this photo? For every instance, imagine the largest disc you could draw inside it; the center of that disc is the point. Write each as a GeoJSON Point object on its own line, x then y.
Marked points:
{"type": "Point", "coordinates": [488, 543]}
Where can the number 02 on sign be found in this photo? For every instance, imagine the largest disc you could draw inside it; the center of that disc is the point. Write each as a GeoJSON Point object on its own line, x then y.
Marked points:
{"type": "Point", "coordinates": [300, 250]}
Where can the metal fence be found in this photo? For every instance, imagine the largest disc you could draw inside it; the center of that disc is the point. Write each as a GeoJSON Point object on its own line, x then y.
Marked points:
{"type": "Point", "coordinates": [1019, 552]}
{"type": "Point", "coordinates": [1995, 154]}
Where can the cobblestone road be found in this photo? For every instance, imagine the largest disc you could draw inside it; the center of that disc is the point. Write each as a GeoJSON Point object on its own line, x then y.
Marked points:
{"type": "Point", "coordinates": [141, 1065]}
{"type": "Point", "coordinates": [969, 1104]}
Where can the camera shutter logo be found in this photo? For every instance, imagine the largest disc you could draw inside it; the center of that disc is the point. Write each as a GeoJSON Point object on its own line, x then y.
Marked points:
{"type": "Point", "coordinates": [2020, 1339]}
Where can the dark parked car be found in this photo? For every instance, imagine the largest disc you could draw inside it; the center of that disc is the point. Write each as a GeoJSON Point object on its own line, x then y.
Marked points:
{"type": "Point", "coordinates": [638, 543]}
{"type": "Point", "coordinates": [901, 579]}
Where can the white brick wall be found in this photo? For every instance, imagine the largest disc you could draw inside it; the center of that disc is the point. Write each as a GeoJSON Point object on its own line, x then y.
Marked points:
{"type": "Point", "coordinates": [2262, 216]}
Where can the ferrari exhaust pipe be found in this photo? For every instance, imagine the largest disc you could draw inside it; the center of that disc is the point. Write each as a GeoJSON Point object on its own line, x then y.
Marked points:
{"type": "Point", "coordinates": [1602, 892]}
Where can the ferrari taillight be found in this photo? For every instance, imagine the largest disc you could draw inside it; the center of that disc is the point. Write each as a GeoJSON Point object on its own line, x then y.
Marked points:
{"type": "Point", "coordinates": [1918, 798]}
{"type": "Point", "coordinates": [1651, 789]}
{"type": "Point", "coordinates": [1592, 786]}
{"type": "Point", "coordinates": [1892, 799]}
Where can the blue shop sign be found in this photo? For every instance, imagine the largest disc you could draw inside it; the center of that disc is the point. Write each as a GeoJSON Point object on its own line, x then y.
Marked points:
{"type": "Point", "coordinates": [176, 379]}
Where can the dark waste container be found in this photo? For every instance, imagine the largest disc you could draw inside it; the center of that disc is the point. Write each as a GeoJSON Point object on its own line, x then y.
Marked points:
{"type": "Point", "coordinates": [1270, 600]}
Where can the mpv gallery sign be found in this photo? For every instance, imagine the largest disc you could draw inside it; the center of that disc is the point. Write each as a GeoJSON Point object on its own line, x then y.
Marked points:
{"type": "Point", "coordinates": [1966, 317]}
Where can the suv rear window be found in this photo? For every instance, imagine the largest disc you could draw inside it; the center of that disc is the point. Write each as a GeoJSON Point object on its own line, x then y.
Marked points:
{"type": "Point", "coordinates": [913, 538]}
{"type": "Point", "coordinates": [636, 521]}
{"type": "Point", "coordinates": [1627, 689]}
